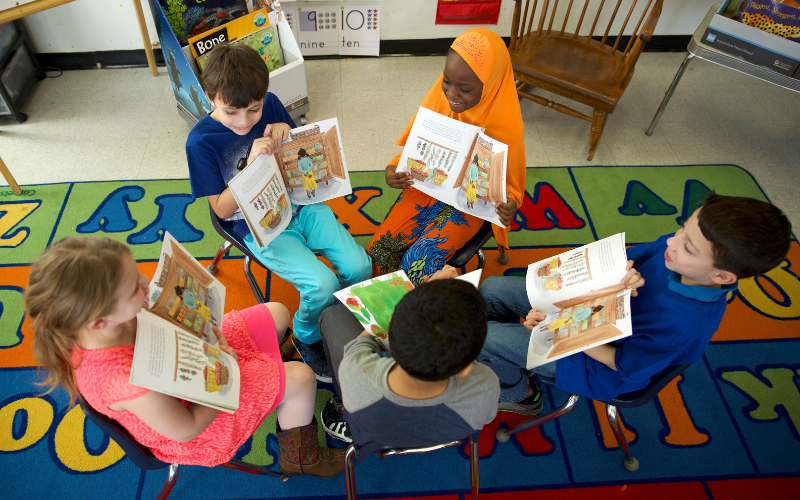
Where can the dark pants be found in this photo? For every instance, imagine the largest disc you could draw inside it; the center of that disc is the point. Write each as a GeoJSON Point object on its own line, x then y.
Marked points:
{"type": "Point", "coordinates": [338, 327]}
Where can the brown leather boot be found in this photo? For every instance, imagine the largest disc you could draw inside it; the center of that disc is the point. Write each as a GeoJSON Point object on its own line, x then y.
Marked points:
{"type": "Point", "coordinates": [300, 454]}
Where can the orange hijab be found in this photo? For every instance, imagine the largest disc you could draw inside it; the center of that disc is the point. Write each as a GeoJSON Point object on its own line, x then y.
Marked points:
{"type": "Point", "coordinates": [498, 110]}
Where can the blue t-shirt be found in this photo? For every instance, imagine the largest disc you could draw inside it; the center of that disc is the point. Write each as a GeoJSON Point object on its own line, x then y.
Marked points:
{"type": "Point", "coordinates": [672, 325]}
{"type": "Point", "coordinates": [214, 152]}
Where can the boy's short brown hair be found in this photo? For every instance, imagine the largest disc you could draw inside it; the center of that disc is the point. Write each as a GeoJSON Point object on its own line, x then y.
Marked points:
{"type": "Point", "coordinates": [748, 236]}
{"type": "Point", "coordinates": [236, 75]}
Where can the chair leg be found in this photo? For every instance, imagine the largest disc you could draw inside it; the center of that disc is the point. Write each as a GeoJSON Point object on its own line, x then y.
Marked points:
{"type": "Point", "coordinates": [598, 123]}
{"type": "Point", "coordinates": [252, 280]}
{"type": "Point", "coordinates": [212, 268]}
{"type": "Point", "coordinates": [502, 257]}
{"type": "Point", "coordinates": [169, 483]}
{"type": "Point", "coordinates": [474, 471]}
{"type": "Point", "coordinates": [504, 435]}
{"type": "Point", "coordinates": [668, 95]}
{"type": "Point", "coordinates": [349, 474]}
{"type": "Point", "coordinates": [630, 463]}
{"type": "Point", "coordinates": [253, 469]}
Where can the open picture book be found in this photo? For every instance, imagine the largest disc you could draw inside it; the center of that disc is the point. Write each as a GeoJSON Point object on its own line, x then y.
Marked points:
{"type": "Point", "coordinates": [580, 293]}
{"type": "Point", "coordinates": [309, 168]}
{"type": "Point", "coordinates": [457, 164]}
{"type": "Point", "coordinates": [372, 302]}
{"type": "Point", "coordinates": [176, 351]}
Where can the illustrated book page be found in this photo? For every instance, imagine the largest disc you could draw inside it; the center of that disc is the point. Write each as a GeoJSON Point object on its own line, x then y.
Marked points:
{"type": "Point", "coordinates": [456, 163]}
{"type": "Point", "coordinates": [576, 272]}
{"type": "Point", "coordinates": [262, 197]}
{"type": "Point", "coordinates": [184, 293]}
{"type": "Point", "coordinates": [173, 361]}
{"type": "Point", "coordinates": [372, 302]}
{"type": "Point", "coordinates": [312, 163]}
{"type": "Point", "coordinates": [580, 323]}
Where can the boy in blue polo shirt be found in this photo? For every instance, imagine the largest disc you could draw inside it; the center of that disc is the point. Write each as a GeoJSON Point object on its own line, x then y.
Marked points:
{"type": "Point", "coordinates": [248, 121]}
{"type": "Point", "coordinates": [688, 275]}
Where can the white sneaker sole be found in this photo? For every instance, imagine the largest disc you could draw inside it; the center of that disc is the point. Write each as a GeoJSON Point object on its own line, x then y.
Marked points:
{"type": "Point", "coordinates": [323, 378]}
{"type": "Point", "coordinates": [334, 435]}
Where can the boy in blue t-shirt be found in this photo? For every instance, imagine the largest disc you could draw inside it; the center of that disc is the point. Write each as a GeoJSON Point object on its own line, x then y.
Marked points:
{"type": "Point", "coordinates": [688, 275]}
{"type": "Point", "coordinates": [248, 121]}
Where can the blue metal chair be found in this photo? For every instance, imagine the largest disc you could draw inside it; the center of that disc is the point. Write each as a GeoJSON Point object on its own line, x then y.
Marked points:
{"type": "Point", "coordinates": [225, 229]}
{"type": "Point", "coordinates": [360, 453]}
{"type": "Point", "coordinates": [143, 458]}
{"type": "Point", "coordinates": [629, 400]}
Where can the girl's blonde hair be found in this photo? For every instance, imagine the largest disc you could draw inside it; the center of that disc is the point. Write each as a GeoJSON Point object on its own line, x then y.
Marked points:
{"type": "Point", "coordinates": [72, 283]}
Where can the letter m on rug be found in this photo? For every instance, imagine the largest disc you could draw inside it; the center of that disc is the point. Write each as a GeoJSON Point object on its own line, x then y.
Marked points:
{"type": "Point", "coordinates": [546, 210]}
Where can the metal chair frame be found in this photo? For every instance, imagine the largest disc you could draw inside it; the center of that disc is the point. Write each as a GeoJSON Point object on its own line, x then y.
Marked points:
{"type": "Point", "coordinates": [143, 458]}
{"type": "Point", "coordinates": [225, 229]}
{"type": "Point", "coordinates": [354, 452]}
{"type": "Point", "coordinates": [628, 400]}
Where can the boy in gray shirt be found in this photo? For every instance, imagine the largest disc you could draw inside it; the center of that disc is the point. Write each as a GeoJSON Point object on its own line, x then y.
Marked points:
{"type": "Point", "coordinates": [429, 389]}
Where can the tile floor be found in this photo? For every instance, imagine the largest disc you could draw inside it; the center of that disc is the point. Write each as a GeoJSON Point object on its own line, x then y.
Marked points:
{"type": "Point", "coordinates": [118, 124]}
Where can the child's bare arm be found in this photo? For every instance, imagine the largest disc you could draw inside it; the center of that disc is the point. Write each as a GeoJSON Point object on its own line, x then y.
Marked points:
{"type": "Point", "coordinates": [223, 204]}
{"type": "Point", "coordinates": [605, 354]}
{"type": "Point", "coordinates": [168, 417]}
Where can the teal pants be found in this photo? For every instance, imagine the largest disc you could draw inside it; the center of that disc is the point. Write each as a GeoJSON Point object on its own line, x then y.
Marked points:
{"type": "Point", "coordinates": [291, 256]}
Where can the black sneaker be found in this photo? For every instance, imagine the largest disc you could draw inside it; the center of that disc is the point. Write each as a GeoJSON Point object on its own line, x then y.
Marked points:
{"type": "Point", "coordinates": [333, 421]}
{"type": "Point", "coordinates": [314, 356]}
{"type": "Point", "coordinates": [531, 405]}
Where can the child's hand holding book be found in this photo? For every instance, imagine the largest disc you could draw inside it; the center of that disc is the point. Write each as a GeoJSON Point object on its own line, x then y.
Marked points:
{"type": "Point", "coordinates": [506, 211]}
{"type": "Point", "coordinates": [532, 319]}
{"type": "Point", "coordinates": [632, 280]}
{"type": "Point", "coordinates": [397, 180]}
{"type": "Point", "coordinates": [223, 345]}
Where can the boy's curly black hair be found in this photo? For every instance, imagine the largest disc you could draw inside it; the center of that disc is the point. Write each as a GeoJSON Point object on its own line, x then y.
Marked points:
{"type": "Point", "coordinates": [438, 329]}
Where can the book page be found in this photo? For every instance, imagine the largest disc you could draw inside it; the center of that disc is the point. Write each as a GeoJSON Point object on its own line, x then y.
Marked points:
{"type": "Point", "coordinates": [456, 163]}
{"type": "Point", "coordinates": [584, 322]}
{"type": "Point", "coordinates": [372, 302]}
{"type": "Point", "coordinates": [171, 361]}
{"type": "Point", "coordinates": [184, 293]}
{"type": "Point", "coordinates": [312, 163]}
{"type": "Point", "coordinates": [473, 277]}
{"type": "Point", "coordinates": [262, 197]}
{"type": "Point", "coordinates": [482, 184]}
{"type": "Point", "coordinates": [576, 272]}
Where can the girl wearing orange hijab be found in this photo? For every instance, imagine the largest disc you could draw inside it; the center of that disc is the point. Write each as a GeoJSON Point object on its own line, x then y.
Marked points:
{"type": "Point", "coordinates": [477, 87]}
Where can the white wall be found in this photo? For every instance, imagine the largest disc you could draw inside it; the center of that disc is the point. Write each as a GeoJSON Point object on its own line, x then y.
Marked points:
{"type": "Point", "coordinates": [99, 25]}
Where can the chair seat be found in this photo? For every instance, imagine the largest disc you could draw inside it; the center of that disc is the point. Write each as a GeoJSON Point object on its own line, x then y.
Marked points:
{"type": "Point", "coordinates": [574, 66]}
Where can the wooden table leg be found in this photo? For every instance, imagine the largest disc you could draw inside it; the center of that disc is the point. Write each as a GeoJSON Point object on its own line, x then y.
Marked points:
{"type": "Point", "coordinates": [9, 178]}
{"type": "Point", "coordinates": [148, 48]}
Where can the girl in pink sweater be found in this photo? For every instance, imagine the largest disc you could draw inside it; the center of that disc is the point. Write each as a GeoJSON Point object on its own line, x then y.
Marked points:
{"type": "Point", "coordinates": [83, 296]}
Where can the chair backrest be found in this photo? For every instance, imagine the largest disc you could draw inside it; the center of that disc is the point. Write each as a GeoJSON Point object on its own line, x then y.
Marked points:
{"type": "Point", "coordinates": [140, 455]}
{"type": "Point", "coordinates": [471, 247]}
{"type": "Point", "coordinates": [362, 452]}
{"type": "Point", "coordinates": [523, 28]}
{"type": "Point", "coordinates": [644, 396]}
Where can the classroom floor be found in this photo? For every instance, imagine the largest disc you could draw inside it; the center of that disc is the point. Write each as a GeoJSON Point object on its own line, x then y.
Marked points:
{"type": "Point", "coordinates": [119, 124]}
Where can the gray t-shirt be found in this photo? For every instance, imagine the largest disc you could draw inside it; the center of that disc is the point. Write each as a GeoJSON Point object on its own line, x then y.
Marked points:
{"type": "Point", "coordinates": [378, 415]}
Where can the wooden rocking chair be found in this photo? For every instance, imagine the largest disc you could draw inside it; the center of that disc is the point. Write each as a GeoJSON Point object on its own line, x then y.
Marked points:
{"type": "Point", "coordinates": [580, 68]}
